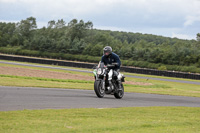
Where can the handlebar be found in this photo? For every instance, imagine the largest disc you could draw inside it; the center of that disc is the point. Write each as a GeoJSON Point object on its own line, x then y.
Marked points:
{"type": "Point", "coordinates": [116, 64]}
{"type": "Point", "coordinates": [112, 65]}
{"type": "Point", "coordinates": [108, 65]}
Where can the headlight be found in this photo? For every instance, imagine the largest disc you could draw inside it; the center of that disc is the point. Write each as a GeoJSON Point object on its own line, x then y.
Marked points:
{"type": "Point", "coordinates": [99, 71]}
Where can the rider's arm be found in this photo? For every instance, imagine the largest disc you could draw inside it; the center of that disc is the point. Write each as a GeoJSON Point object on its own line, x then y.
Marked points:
{"type": "Point", "coordinates": [117, 60]}
{"type": "Point", "coordinates": [102, 60]}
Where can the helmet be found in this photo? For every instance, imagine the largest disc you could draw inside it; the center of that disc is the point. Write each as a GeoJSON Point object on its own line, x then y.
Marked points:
{"type": "Point", "coordinates": [107, 51]}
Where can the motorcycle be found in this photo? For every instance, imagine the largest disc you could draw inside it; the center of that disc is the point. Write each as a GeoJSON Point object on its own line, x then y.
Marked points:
{"type": "Point", "coordinates": [101, 84]}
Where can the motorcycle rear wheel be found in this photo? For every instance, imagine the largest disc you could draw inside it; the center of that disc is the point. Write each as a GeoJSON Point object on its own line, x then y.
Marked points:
{"type": "Point", "coordinates": [98, 89]}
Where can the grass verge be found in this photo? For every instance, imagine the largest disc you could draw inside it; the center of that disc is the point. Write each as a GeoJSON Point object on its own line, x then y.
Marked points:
{"type": "Point", "coordinates": [115, 120]}
{"type": "Point", "coordinates": [82, 73]}
{"type": "Point", "coordinates": [158, 87]}
{"type": "Point", "coordinates": [165, 87]}
{"type": "Point", "coordinates": [8, 80]}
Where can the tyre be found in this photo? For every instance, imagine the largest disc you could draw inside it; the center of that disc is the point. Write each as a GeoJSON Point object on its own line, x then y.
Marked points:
{"type": "Point", "coordinates": [98, 89]}
{"type": "Point", "coordinates": [120, 93]}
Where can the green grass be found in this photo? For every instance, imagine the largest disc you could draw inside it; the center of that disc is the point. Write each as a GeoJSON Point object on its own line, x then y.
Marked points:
{"type": "Point", "coordinates": [82, 73]}
{"type": "Point", "coordinates": [47, 79]}
{"type": "Point", "coordinates": [115, 120]}
{"type": "Point", "coordinates": [8, 80]}
{"type": "Point", "coordinates": [165, 87]}
{"type": "Point", "coordinates": [158, 87]}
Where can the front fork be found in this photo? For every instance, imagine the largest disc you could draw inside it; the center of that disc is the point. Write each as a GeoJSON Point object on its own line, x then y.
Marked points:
{"type": "Point", "coordinates": [103, 82]}
{"type": "Point", "coordinates": [120, 85]}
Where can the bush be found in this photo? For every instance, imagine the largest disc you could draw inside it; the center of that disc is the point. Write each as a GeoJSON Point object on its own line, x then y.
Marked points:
{"type": "Point", "coordinates": [153, 66]}
{"type": "Point", "coordinates": [162, 68]}
{"type": "Point", "coordinates": [124, 62]}
{"type": "Point", "coordinates": [191, 69]}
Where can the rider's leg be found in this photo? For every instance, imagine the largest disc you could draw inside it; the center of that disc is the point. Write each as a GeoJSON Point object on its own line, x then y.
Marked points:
{"type": "Point", "coordinates": [110, 74]}
{"type": "Point", "coordinates": [119, 77]}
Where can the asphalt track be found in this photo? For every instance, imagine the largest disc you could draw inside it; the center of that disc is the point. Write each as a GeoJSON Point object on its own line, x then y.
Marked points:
{"type": "Point", "coordinates": [20, 98]}
{"type": "Point", "coordinates": [68, 69]}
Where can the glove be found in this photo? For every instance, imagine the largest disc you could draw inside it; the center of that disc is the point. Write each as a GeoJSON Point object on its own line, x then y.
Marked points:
{"type": "Point", "coordinates": [116, 64]}
{"type": "Point", "coordinates": [109, 65]}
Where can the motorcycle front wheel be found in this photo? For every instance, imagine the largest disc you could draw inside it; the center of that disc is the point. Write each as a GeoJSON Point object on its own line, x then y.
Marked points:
{"type": "Point", "coordinates": [100, 92]}
{"type": "Point", "coordinates": [120, 93]}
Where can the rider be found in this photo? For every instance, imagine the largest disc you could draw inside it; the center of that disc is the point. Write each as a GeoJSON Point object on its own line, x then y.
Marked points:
{"type": "Point", "coordinates": [108, 58]}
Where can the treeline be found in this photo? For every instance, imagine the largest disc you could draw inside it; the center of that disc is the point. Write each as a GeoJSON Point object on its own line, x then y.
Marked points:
{"type": "Point", "coordinates": [77, 40]}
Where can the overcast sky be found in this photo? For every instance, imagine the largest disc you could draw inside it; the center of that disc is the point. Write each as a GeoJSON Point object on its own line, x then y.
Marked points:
{"type": "Point", "coordinates": [171, 18]}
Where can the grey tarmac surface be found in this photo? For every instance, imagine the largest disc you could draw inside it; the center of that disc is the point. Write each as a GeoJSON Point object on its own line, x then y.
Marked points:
{"type": "Point", "coordinates": [142, 77]}
{"type": "Point", "coordinates": [20, 98]}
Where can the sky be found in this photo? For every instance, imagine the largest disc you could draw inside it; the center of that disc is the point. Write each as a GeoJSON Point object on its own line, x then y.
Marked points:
{"type": "Point", "coordinates": [169, 18]}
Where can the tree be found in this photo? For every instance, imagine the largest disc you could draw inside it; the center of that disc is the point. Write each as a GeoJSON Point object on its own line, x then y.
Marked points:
{"type": "Point", "coordinates": [79, 37]}
{"type": "Point", "coordinates": [63, 46]}
{"type": "Point", "coordinates": [77, 46]}
{"type": "Point", "coordinates": [198, 37]}
{"type": "Point", "coordinates": [78, 29]}
{"type": "Point", "coordinates": [60, 24]}
{"type": "Point", "coordinates": [7, 31]}
{"type": "Point", "coordinates": [51, 24]}
{"type": "Point", "coordinates": [96, 50]}
{"type": "Point", "coordinates": [24, 27]}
